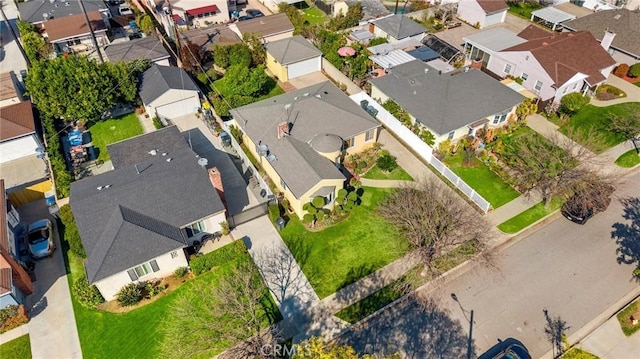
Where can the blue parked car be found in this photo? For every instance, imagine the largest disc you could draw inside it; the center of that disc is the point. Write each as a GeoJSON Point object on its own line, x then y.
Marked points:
{"type": "Point", "coordinates": [40, 238]}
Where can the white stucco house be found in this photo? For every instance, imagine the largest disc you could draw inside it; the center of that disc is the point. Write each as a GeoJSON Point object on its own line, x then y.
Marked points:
{"type": "Point", "coordinates": [168, 92]}
{"type": "Point", "coordinates": [136, 220]}
{"type": "Point", "coordinates": [482, 13]}
{"type": "Point", "coordinates": [293, 57]}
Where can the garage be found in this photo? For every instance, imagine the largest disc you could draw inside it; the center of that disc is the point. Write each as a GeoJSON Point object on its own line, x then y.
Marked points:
{"type": "Point", "coordinates": [304, 67]}
{"type": "Point", "coordinates": [178, 108]}
{"type": "Point", "coordinates": [293, 57]}
{"type": "Point", "coordinates": [169, 92]}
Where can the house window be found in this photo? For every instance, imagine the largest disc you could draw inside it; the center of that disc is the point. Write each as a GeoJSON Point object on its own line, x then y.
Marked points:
{"type": "Point", "coordinates": [564, 91]}
{"type": "Point", "coordinates": [350, 142]}
{"type": "Point", "coordinates": [451, 134]}
{"type": "Point", "coordinates": [369, 135]}
{"type": "Point", "coordinates": [507, 68]}
{"type": "Point", "coordinates": [500, 118]}
{"type": "Point", "coordinates": [524, 76]}
{"type": "Point", "coordinates": [329, 198]}
{"type": "Point", "coordinates": [284, 185]}
{"type": "Point", "coordinates": [575, 85]}
{"type": "Point", "coordinates": [143, 270]}
{"type": "Point", "coordinates": [538, 86]}
{"type": "Point", "coordinates": [195, 229]}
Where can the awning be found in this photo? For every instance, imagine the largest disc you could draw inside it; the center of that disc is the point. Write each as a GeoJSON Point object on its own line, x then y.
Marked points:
{"type": "Point", "coordinates": [202, 10]}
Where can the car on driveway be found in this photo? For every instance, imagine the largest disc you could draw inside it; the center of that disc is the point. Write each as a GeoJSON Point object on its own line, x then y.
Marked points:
{"type": "Point", "coordinates": [125, 10]}
{"type": "Point", "coordinates": [509, 348]}
{"type": "Point", "coordinates": [254, 13]}
{"type": "Point", "coordinates": [40, 238]}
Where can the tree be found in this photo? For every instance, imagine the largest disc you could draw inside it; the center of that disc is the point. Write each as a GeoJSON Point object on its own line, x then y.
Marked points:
{"type": "Point", "coordinates": [240, 80]}
{"type": "Point", "coordinates": [220, 56]}
{"type": "Point", "coordinates": [634, 70]}
{"type": "Point", "coordinates": [295, 16]}
{"type": "Point", "coordinates": [526, 108]}
{"type": "Point", "coordinates": [256, 45]}
{"type": "Point", "coordinates": [573, 102]}
{"type": "Point", "coordinates": [387, 162]}
{"type": "Point", "coordinates": [627, 126]}
{"type": "Point", "coordinates": [345, 21]}
{"type": "Point", "coordinates": [191, 55]}
{"type": "Point", "coordinates": [34, 46]}
{"type": "Point", "coordinates": [233, 312]}
{"type": "Point", "coordinates": [145, 23]}
{"type": "Point", "coordinates": [434, 219]}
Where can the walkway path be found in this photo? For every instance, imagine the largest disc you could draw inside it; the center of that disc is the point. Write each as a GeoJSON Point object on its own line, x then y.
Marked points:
{"type": "Point", "coordinates": [510, 209]}
{"type": "Point", "coordinates": [14, 333]}
{"type": "Point", "coordinates": [146, 122]}
{"type": "Point", "coordinates": [407, 160]}
{"type": "Point", "coordinates": [382, 183]}
{"type": "Point", "coordinates": [632, 91]}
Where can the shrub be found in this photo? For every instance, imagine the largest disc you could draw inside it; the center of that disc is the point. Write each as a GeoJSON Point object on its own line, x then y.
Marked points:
{"type": "Point", "coordinates": [181, 272]}
{"type": "Point", "coordinates": [154, 288]}
{"type": "Point", "coordinates": [218, 257]}
{"type": "Point", "coordinates": [224, 228]}
{"type": "Point", "coordinates": [573, 102]}
{"type": "Point", "coordinates": [387, 162]}
{"type": "Point", "coordinates": [130, 294]}
{"type": "Point", "coordinates": [87, 295]}
{"type": "Point", "coordinates": [157, 123]}
{"type": "Point", "coordinates": [71, 234]}
{"type": "Point", "coordinates": [12, 316]}
{"type": "Point", "coordinates": [621, 70]}
{"type": "Point", "coordinates": [634, 70]}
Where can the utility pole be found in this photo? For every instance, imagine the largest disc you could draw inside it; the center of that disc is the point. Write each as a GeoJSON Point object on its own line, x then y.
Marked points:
{"type": "Point", "coordinates": [93, 35]}
{"type": "Point", "coordinates": [13, 34]}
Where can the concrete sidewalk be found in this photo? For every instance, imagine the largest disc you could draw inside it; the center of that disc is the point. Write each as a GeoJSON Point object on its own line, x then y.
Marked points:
{"type": "Point", "coordinates": [146, 122]}
{"type": "Point", "coordinates": [609, 342]}
{"type": "Point", "coordinates": [512, 208]}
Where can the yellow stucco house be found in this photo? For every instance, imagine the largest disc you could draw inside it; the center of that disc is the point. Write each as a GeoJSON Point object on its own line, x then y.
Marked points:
{"type": "Point", "coordinates": [293, 57]}
{"type": "Point", "coordinates": [301, 137]}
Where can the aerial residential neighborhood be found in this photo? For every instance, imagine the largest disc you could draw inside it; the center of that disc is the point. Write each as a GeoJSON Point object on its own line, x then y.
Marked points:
{"type": "Point", "coordinates": [320, 179]}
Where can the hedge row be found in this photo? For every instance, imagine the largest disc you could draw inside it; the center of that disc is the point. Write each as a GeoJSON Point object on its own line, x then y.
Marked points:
{"type": "Point", "coordinates": [71, 234]}
{"type": "Point", "coordinates": [218, 257]}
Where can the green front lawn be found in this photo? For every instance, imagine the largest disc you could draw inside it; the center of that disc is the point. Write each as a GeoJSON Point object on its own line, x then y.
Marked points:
{"type": "Point", "coordinates": [482, 180]}
{"type": "Point", "coordinates": [590, 124]}
{"type": "Point", "coordinates": [19, 348]}
{"type": "Point", "coordinates": [314, 15]}
{"type": "Point", "coordinates": [397, 174]}
{"type": "Point", "coordinates": [528, 217]}
{"type": "Point", "coordinates": [341, 254]}
{"type": "Point", "coordinates": [628, 159]}
{"type": "Point", "coordinates": [113, 130]}
{"type": "Point", "coordinates": [523, 9]}
{"type": "Point", "coordinates": [626, 316]}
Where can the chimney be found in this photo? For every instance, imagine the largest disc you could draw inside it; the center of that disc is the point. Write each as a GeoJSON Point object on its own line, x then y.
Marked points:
{"type": "Point", "coordinates": [216, 180]}
{"type": "Point", "coordinates": [607, 39]}
{"type": "Point", "coordinates": [476, 64]}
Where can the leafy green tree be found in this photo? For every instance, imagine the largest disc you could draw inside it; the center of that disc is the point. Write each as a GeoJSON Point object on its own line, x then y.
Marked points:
{"type": "Point", "coordinates": [241, 80]}
{"type": "Point", "coordinates": [145, 23]}
{"type": "Point", "coordinates": [220, 56]}
{"type": "Point", "coordinates": [526, 108]}
{"type": "Point", "coordinates": [123, 81]}
{"type": "Point", "coordinates": [350, 19]}
{"type": "Point", "coordinates": [258, 51]}
{"type": "Point", "coordinates": [387, 162]}
{"type": "Point", "coordinates": [138, 66]}
{"type": "Point", "coordinates": [34, 46]}
{"type": "Point", "coordinates": [191, 55]}
{"type": "Point", "coordinates": [295, 16]}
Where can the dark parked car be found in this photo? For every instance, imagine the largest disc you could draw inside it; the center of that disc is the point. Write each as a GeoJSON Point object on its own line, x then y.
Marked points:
{"type": "Point", "coordinates": [580, 207]}
{"type": "Point", "coordinates": [509, 348]}
{"type": "Point", "coordinates": [254, 12]}
{"type": "Point", "coordinates": [243, 18]}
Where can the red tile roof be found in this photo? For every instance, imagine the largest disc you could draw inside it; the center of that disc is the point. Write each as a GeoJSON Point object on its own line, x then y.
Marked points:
{"type": "Point", "coordinates": [16, 120]}
{"type": "Point", "coordinates": [202, 10]}
{"type": "Point", "coordinates": [74, 25]}
{"type": "Point", "coordinates": [565, 54]}
{"type": "Point", "coordinates": [491, 6]}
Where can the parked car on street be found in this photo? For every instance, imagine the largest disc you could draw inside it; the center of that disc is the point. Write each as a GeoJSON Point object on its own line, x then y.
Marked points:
{"type": "Point", "coordinates": [254, 12]}
{"type": "Point", "coordinates": [243, 18]}
{"type": "Point", "coordinates": [509, 348]}
{"type": "Point", "coordinates": [40, 238]}
{"type": "Point", "coordinates": [582, 206]}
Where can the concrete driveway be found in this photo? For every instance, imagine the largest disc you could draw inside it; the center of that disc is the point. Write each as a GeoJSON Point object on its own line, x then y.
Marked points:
{"type": "Point", "coordinates": [569, 269]}
{"type": "Point", "coordinates": [52, 327]}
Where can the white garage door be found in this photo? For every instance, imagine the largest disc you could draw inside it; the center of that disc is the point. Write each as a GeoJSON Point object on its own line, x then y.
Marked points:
{"type": "Point", "coordinates": [304, 67]}
{"type": "Point", "coordinates": [178, 108]}
{"type": "Point", "coordinates": [493, 19]}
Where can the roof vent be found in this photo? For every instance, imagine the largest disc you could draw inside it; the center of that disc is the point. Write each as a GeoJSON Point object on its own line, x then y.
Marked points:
{"type": "Point", "coordinates": [617, 17]}
{"type": "Point", "coordinates": [164, 153]}
{"type": "Point", "coordinates": [318, 95]}
{"type": "Point", "coordinates": [295, 98]}
{"type": "Point", "coordinates": [45, 15]}
{"type": "Point", "coordinates": [66, 3]}
{"type": "Point", "coordinates": [169, 159]}
{"type": "Point", "coordinates": [282, 129]}
{"type": "Point", "coordinates": [153, 152]}
{"type": "Point", "coordinates": [545, 43]}
{"type": "Point", "coordinates": [263, 150]}
{"type": "Point", "coordinates": [271, 157]}
{"type": "Point", "coordinates": [305, 94]}
{"type": "Point", "coordinates": [426, 70]}
{"type": "Point", "coordinates": [203, 162]}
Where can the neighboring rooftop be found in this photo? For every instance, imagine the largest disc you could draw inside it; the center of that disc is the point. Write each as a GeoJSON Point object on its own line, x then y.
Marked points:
{"type": "Point", "coordinates": [447, 51]}
{"type": "Point", "coordinates": [207, 37]}
{"type": "Point", "coordinates": [266, 25]}
{"type": "Point", "coordinates": [148, 48]}
{"type": "Point", "coordinates": [16, 121]}
{"type": "Point", "coordinates": [446, 102]}
{"type": "Point", "coordinates": [133, 213]}
{"type": "Point", "coordinates": [8, 91]}
{"type": "Point", "coordinates": [33, 10]}
{"type": "Point", "coordinates": [491, 6]}
{"type": "Point", "coordinates": [372, 9]}
{"type": "Point", "coordinates": [72, 26]}
{"type": "Point", "coordinates": [623, 22]}
{"type": "Point", "coordinates": [562, 55]}
{"type": "Point", "coordinates": [495, 39]}
{"type": "Point", "coordinates": [552, 15]}
{"type": "Point", "coordinates": [159, 79]}
{"type": "Point", "coordinates": [292, 50]}
{"type": "Point", "coordinates": [311, 113]}
{"type": "Point", "coordinates": [399, 26]}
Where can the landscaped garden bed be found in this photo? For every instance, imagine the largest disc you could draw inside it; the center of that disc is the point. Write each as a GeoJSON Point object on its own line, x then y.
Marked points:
{"type": "Point", "coordinates": [608, 92]}
{"type": "Point", "coordinates": [397, 174]}
{"type": "Point", "coordinates": [113, 130]}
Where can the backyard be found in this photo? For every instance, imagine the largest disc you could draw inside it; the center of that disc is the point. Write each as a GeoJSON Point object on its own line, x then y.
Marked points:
{"type": "Point", "coordinates": [113, 130]}
{"type": "Point", "coordinates": [222, 87]}
{"type": "Point", "coordinates": [523, 9]}
{"type": "Point", "coordinates": [139, 332]}
{"type": "Point", "coordinates": [341, 254]}
{"type": "Point", "coordinates": [397, 174]}
{"type": "Point", "coordinates": [590, 126]}
{"type": "Point", "coordinates": [482, 180]}
{"type": "Point", "coordinates": [313, 15]}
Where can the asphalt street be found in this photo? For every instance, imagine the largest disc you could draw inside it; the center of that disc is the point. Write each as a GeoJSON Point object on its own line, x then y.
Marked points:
{"type": "Point", "coordinates": [568, 269]}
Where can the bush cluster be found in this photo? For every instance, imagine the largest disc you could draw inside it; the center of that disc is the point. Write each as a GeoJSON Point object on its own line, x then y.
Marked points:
{"type": "Point", "coordinates": [181, 272]}
{"type": "Point", "coordinates": [71, 234]}
{"type": "Point", "coordinates": [157, 123]}
{"type": "Point", "coordinates": [634, 70]}
{"type": "Point", "coordinates": [387, 162]}
{"type": "Point", "coordinates": [130, 294]}
{"type": "Point", "coordinates": [87, 295]}
{"type": "Point", "coordinates": [621, 70]}
{"type": "Point", "coordinates": [573, 102]}
{"type": "Point", "coordinates": [12, 317]}
{"type": "Point", "coordinates": [219, 257]}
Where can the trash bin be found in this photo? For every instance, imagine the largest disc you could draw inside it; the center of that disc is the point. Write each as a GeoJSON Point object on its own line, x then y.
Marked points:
{"type": "Point", "coordinates": [280, 223]}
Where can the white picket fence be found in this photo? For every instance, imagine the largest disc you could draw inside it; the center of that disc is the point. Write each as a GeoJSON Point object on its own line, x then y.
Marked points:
{"type": "Point", "coordinates": [422, 149]}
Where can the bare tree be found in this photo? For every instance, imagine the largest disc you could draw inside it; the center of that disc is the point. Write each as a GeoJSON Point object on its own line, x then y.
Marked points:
{"type": "Point", "coordinates": [231, 313]}
{"type": "Point", "coordinates": [434, 219]}
{"type": "Point", "coordinates": [627, 126]}
{"type": "Point", "coordinates": [554, 330]}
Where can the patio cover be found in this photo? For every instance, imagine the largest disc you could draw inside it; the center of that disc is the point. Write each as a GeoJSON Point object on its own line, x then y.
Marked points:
{"type": "Point", "coordinates": [552, 16]}
{"type": "Point", "coordinates": [392, 59]}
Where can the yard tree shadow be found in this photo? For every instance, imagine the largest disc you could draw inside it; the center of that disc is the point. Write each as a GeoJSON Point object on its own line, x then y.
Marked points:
{"type": "Point", "coordinates": [627, 234]}
{"type": "Point", "coordinates": [413, 328]}
{"type": "Point", "coordinates": [356, 273]}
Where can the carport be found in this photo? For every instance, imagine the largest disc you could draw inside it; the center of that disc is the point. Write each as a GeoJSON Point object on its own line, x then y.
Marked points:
{"type": "Point", "coordinates": [551, 17]}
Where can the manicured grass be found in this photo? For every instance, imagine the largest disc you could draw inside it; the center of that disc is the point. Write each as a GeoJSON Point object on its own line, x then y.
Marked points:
{"type": "Point", "coordinates": [113, 130]}
{"type": "Point", "coordinates": [314, 15]}
{"type": "Point", "coordinates": [19, 348]}
{"type": "Point", "coordinates": [577, 353]}
{"type": "Point", "coordinates": [528, 217]}
{"type": "Point", "coordinates": [591, 122]}
{"type": "Point", "coordinates": [523, 9]}
{"type": "Point", "coordinates": [482, 180]}
{"type": "Point", "coordinates": [343, 253]}
{"type": "Point", "coordinates": [624, 317]}
{"type": "Point", "coordinates": [628, 159]}
{"type": "Point", "coordinates": [138, 333]}
{"type": "Point", "coordinates": [397, 174]}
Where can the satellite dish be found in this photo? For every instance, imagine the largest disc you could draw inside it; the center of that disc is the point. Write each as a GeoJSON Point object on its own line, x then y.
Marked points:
{"type": "Point", "coordinates": [203, 162]}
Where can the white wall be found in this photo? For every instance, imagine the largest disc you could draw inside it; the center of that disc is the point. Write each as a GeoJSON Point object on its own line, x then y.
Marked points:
{"type": "Point", "coordinates": [18, 148]}
{"type": "Point", "coordinates": [110, 286]}
{"type": "Point", "coordinates": [304, 67]}
{"type": "Point", "coordinates": [471, 12]}
{"type": "Point", "coordinates": [186, 102]}
{"type": "Point", "coordinates": [495, 18]}
{"type": "Point", "coordinates": [523, 61]}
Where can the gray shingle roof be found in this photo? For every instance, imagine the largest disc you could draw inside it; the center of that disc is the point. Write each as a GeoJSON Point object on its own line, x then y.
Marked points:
{"type": "Point", "coordinates": [445, 102]}
{"type": "Point", "coordinates": [136, 150]}
{"type": "Point", "coordinates": [314, 110]}
{"type": "Point", "coordinates": [625, 23]}
{"type": "Point", "coordinates": [159, 79]}
{"type": "Point", "coordinates": [32, 11]}
{"type": "Point", "coordinates": [146, 48]}
{"type": "Point", "coordinates": [135, 219]}
{"type": "Point", "coordinates": [399, 26]}
{"type": "Point", "coordinates": [293, 49]}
